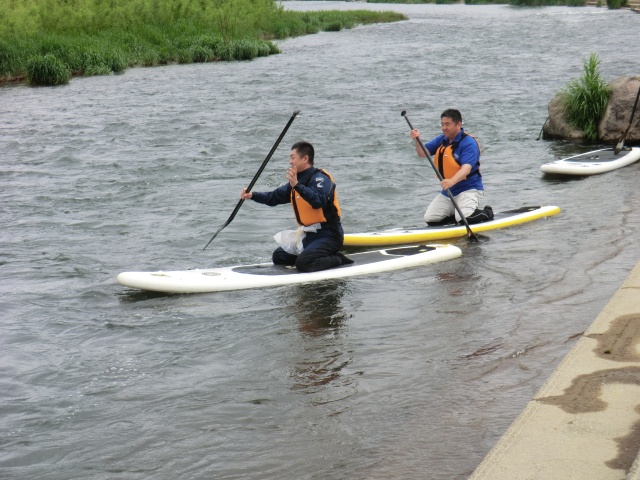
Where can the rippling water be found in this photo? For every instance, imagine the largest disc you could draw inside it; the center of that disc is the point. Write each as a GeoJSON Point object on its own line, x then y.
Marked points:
{"type": "Point", "coordinates": [410, 374]}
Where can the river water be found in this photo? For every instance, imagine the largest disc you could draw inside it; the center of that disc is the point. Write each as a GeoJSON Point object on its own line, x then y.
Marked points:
{"type": "Point", "coordinates": [409, 374]}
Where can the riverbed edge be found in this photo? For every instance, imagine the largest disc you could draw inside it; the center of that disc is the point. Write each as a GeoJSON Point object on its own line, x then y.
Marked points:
{"type": "Point", "coordinates": [590, 431]}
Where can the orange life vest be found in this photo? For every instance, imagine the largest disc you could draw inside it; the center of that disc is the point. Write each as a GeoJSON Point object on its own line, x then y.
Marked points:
{"type": "Point", "coordinates": [446, 162]}
{"type": "Point", "coordinates": [306, 214]}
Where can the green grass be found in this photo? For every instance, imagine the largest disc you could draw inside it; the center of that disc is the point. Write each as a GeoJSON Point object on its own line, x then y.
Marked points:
{"type": "Point", "coordinates": [548, 3]}
{"type": "Point", "coordinates": [100, 37]}
{"type": "Point", "coordinates": [531, 3]}
{"type": "Point", "coordinates": [47, 70]}
{"type": "Point", "coordinates": [616, 4]}
{"type": "Point", "coordinates": [585, 100]}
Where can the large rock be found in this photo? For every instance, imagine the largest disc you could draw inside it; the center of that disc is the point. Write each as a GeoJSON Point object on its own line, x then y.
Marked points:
{"type": "Point", "coordinates": [557, 126]}
{"type": "Point", "coordinates": [618, 113]}
{"type": "Point", "coordinates": [614, 122]}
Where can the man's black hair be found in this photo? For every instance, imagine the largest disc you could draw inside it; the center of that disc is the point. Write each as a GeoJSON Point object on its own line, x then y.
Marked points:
{"type": "Point", "coordinates": [304, 148]}
{"type": "Point", "coordinates": [453, 114]}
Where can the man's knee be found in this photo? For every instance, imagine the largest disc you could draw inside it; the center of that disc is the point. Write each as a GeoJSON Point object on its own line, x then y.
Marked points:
{"type": "Point", "coordinates": [280, 257]}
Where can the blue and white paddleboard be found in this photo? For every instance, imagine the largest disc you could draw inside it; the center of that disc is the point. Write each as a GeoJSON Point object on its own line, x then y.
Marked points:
{"type": "Point", "coordinates": [264, 275]}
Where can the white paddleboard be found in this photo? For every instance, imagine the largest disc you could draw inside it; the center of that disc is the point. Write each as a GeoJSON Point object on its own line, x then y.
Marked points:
{"type": "Point", "coordinates": [403, 236]}
{"type": "Point", "coordinates": [269, 275]}
{"type": "Point", "coordinates": [594, 162]}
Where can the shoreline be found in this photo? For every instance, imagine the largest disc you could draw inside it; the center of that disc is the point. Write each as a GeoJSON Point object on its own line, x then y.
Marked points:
{"type": "Point", "coordinates": [584, 422]}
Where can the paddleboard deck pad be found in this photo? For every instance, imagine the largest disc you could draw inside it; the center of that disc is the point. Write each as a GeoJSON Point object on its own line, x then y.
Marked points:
{"type": "Point", "coordinates": [431, 233]}
{"type": "Point", "coordinates": [269, 275]}
{"type": "Point", "coordinates": [594, 162]}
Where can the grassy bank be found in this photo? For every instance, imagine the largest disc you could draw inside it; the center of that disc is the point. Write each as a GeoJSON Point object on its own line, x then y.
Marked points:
{"type": "Point", "coordinates": [525, 3]}
{"type": "Point", "coordinates": [48, 41]}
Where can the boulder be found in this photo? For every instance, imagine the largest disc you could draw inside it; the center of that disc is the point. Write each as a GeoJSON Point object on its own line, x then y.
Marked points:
{"type": "Point", "coordinates": [618, 112]}
{"type": "Point", "coordinates": [557, 126]}
{"type": "Point", "coordinates": [614, 122]}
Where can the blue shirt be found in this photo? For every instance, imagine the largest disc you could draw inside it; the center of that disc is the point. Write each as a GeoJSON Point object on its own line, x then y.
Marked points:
{"type": "Point", "coordinates": [466, 152]}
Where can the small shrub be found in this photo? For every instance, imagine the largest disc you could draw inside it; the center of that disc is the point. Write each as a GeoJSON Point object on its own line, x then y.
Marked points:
{"type": "Point", "coordinates": [200, 53]}
{"type": "Point", "coordinates": [273, 48]}
{"type": "Point", "coordinates": [117, 61]}
{"type": "Point", "coordinates": [47, 70]}
{"type": "Point", "coordinates": [246, 49]}
{"type": "Point", "coordinates": [585, 100]}
{"type": "Point", "coordinates": [94, 63]}
{"type": "Point", "coordinates": [184, 55]}
{"type": "Point", "coordinates": [208, 42]}
{"type": "Point", "coordinates": [263, 48]}
{"type": "Point", "coordinates": [226, 51]}
{"type": "Point", "coordinates": [280, 30]}
{"type": "Point", "coordinates": [333, 27]}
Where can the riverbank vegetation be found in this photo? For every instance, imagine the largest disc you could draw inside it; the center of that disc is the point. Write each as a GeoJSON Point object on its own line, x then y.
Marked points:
{"type": "Point", "coordinates": [585, 99]}
{"type": "Point", "coordinates": [613, 4]}
{"type": "Point", "coordinates": [47, 42]}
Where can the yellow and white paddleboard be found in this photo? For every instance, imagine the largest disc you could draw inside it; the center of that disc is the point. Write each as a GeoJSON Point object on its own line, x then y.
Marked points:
{"type": "Point", "coordinates": [429, 234]}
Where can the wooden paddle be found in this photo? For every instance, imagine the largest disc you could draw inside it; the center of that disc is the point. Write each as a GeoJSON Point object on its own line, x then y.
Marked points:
{"type": "Point", "coordinates": [255, 178]}
{"type": "Point", "coordinates": [620, 144]}
{"type": "Point", "coordinates": [470, 234]}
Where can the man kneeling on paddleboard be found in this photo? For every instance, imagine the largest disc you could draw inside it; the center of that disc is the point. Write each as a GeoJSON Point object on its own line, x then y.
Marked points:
{"type": "Point", "coordinates": [457, 158]}
{"type": "Point", "coordinates": [315, 245]}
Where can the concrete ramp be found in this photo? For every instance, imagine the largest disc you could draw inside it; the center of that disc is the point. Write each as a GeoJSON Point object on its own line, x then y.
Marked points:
{"type": "Point", "coordinates": [584, 423]}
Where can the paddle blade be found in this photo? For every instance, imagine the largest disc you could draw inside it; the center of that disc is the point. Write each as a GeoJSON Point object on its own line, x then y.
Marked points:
{"type": "Point", "coordinates": [214, 235]}
{"type": "Point", "coordinates": [619, 146]}
{"type": "Point", "coordinates": [229, 220]}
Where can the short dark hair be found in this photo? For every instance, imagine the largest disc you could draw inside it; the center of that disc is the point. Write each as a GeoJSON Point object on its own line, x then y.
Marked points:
{"type": "Point", "coordinates": [304, 148]}
{"type": "Point", "coordinates": [453, 114]}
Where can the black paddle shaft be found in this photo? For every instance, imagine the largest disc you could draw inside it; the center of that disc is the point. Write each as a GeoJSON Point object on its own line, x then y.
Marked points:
{"type": "Point", "coordinates": [470, 234]}
{"type": "Point", "coordinates": [255, 178]}
{"type": "Point", "coordinates": [620, 144]}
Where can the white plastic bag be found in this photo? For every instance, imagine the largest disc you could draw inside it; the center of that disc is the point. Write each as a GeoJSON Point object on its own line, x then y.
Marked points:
{"type": "Point", "coordinates": [290, 240]}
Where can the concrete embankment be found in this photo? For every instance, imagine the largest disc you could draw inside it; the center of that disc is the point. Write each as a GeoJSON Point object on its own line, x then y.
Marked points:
{"type": "Point", "coordinates": [584, 423]}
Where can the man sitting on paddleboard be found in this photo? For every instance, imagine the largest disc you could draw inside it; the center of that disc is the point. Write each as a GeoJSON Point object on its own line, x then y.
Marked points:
{"type": "Point", "coordinates": [312, 193]}
{"type": "Point", "coordinates": [457, 158]}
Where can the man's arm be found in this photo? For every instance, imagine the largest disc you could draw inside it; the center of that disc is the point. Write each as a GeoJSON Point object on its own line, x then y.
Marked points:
{"type": "Point", "coordinates": [276, 197]}
{"type": "Point", "coordinates": [318, 192]}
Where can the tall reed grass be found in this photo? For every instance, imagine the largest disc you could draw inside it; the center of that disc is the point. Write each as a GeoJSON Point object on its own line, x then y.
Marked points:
{"type": "Point", "coordinates": [548, 3]}
{"type": "Point", "coordinates": [47, 70]}
{"type": "Point", "coordinates": [585, 100]}
{"type": "Point", "coordinates": [97, 37]}
{"type": "Point", "coordinates": [529, 3]}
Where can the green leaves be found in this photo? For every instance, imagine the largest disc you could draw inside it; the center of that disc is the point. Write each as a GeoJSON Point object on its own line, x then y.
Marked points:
{"type": "Point", "coordinates": [100, 37]}
{"type": "Point", "coordinates": [585, 100]}
{"type": "Point", "coordinates": [47, 70]}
